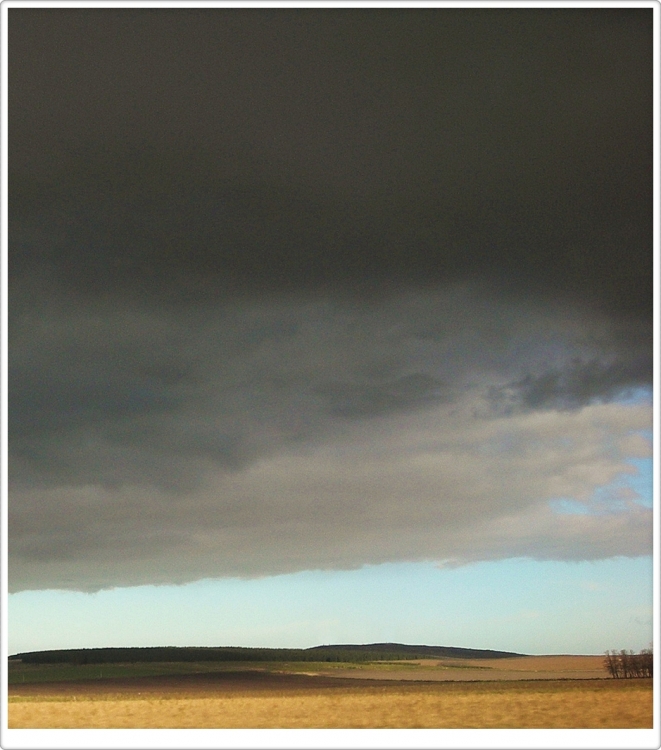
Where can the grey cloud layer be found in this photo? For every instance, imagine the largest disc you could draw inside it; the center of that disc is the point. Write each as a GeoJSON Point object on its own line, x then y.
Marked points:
{"type": "Point", "coordinates": [432, 486]}
{"type": "Point", "coordinates": [282, 437]}
{"type": "Point", "coordinates": [288, 287]}
{"type": "Point", "coordinates": [110, 396]}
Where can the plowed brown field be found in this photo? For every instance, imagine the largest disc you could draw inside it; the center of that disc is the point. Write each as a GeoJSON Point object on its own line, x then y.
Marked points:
{"type": "Point", "coordinates": [514, 668]}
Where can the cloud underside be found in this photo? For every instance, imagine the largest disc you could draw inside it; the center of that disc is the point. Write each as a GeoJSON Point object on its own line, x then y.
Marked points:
{"type": "Point", "coordinates": [267, 438]}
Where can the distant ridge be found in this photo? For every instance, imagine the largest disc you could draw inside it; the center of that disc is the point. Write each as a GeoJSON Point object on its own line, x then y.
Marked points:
{"type": "Point", "coordinates": [337, 653]}
{"type": "Point", "coordinates": [429, 651]}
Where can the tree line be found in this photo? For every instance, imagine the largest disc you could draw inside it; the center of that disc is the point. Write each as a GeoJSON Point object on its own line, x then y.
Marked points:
{"type": "Point", "coordinates": [337, 653]}
{"type": "Point", "coordinates": [625, 664]}
{"type": "Point", "coordinates": [221, 654]}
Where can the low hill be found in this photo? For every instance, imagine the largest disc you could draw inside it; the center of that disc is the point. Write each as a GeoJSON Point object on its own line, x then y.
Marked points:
{"type": "Point", "coordinates": [405, 651]}
{"type": "Point", "coordinates": [331, 653]}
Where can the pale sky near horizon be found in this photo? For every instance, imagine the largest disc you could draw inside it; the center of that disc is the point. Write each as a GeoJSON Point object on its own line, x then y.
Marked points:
{"type": "Point", "coordinates": [518, 605]}
{"type": "Point", "coordinates": [330, 326]}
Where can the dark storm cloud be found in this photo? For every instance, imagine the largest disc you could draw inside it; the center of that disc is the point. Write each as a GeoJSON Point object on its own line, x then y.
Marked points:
{"type": "Point", "coordinates": [126, 394]}
{"type": "Point", "coordinates": [407, 392]}
{"type": "Point", "coordinates": [247, 244]}
{"type": "Point", "coordinates": [574, 386]}
{"type": "Point", "coordinates": [264, 149]}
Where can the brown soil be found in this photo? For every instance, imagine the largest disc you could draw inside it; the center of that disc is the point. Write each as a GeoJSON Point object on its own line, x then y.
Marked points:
{"type": "Point", "coordinates": [515, 668]}
{"type": "Point", "coordinates": [553, 663]}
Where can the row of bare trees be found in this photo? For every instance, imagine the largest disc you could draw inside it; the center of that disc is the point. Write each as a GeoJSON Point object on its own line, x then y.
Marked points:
{"type": "Point", "coordinates": [623, 664]}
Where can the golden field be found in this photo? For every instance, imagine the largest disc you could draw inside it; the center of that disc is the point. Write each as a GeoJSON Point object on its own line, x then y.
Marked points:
{"type": "Point", "coordinates": [327, 703]}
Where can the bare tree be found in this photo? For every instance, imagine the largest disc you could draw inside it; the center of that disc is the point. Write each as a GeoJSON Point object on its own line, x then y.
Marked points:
{"type": "Point", "coordinates": [626, 664]}
{"type": "Point", "coordinates": [612, 664]}
{"type": "Point", "coordinates": [647, 662]}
